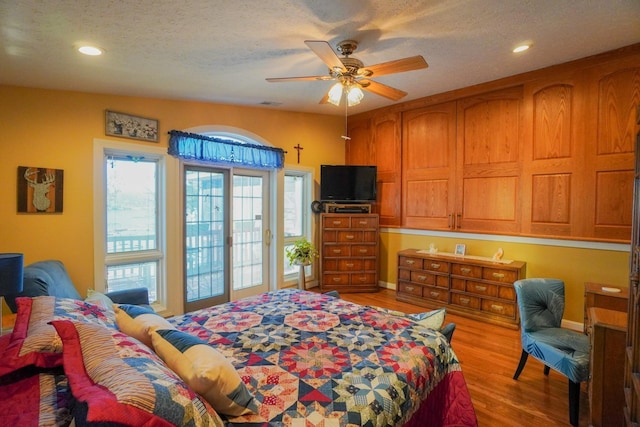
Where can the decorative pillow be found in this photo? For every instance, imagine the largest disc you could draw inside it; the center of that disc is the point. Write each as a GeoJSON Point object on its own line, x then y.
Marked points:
{"type": "Point", "coordinates": [135, 321]}
{"type": "Point", "coordinates": [98, 298]}
{"type": "Point", "coordinates": [430, 319]}
{"type": "Point", "coordinates": [34, 342]}
{"type": "Point", "coordinates": [122, 381]}
{"type": "Point", "coordinates": [205, 370]}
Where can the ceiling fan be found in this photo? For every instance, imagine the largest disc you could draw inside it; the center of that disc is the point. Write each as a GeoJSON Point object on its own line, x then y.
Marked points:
{"type": "Point", "coordinates": [352, 75]}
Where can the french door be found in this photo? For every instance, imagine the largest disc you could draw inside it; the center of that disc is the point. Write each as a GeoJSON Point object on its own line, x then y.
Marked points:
{"type": "Point", "coordinates": [226, 233]}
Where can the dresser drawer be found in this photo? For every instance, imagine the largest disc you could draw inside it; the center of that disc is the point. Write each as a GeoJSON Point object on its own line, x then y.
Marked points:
{"type": "Point", "coordinates": [336, 251]}
{"type": "Point", "coordinates": [436, 265]}
{"type": "Point", "coordinates": [410, 288]}
{"type": "Point", "coordinates": [464, 300]}
{"type": "Point", "coordinates": [409, 262]}
{"type": "Point", "coordinates": [336, 222]}
{"type": "Point", "coordinates": [499, 275]}
{"type": "Point", "coordinates": [404, 274]}
{"type": "Point", "coordinates": [465, 270]}
{"type": "Point", "coordinates": [334, 279]}
{"type": "Point", "coordinates": [363, 279]}
{"type": "Point", "coordinates": [483, 289]}
{"type": "Point", "coordinates": [507, 292]}
{"type": "Point", "coordinates": [436, 294]}
{"type": "Point", "coordinates": [351, 264]}
{"type": "Point", "coordinates": [350, 236]}
{"type": "Point", "coordinates": [500, 308]}
{"type": "Point", "coordinates": [364, 222]}
{"type": "Point", "coordinates": [363, 250]}
{"type": "Point", "coordinates": [422, 278]}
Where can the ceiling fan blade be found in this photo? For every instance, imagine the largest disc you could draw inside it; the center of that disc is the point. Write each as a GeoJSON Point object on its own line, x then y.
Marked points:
{"type": "Point", "coordinates": [325, 98]}
{"type": "Point", "coordinates": [326, 53]}
{"type": "Point", "coordinates": [382, 90]}
{"type": "Point", "coordinates": [397, 66]}
{"type": "Point", "coordinates": [297, 79]}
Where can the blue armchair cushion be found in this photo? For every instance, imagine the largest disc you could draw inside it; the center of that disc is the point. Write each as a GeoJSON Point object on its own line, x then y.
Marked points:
{"type": "Point", "coordinates": [45, 278]}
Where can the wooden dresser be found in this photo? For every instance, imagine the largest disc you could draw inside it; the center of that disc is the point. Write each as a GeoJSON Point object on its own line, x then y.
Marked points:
{"type": "Point", "coordinates": [607, 330]}
{"type": "Point", "coordinates": [475, 288]}
{"type": "Point", "coordinates": [601, 295]}
{"type": "Point", "coordinates": [349, 252]}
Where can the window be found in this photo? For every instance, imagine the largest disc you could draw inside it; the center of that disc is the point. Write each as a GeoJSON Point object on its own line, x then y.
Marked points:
{"type": "Point", "coordinates": [298, 186]}
{"type": "Point", "coordinates": [129, 208]}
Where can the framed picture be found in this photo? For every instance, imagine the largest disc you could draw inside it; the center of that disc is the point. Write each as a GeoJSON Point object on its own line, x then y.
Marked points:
{"type": "Point", "coordinates": [128, 126]}
{"type": "Point", "coordinates": [460, 248]}
{"type": "Point", "coordinates": [40, 190]}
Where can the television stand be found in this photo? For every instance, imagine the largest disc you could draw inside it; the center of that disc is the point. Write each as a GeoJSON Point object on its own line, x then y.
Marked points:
{"type": "Point", "coordinates": [347, 208]}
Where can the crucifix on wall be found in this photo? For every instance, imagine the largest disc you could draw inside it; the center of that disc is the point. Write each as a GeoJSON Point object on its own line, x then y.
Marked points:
{"type": "Point", "coordinates": [298, 148]}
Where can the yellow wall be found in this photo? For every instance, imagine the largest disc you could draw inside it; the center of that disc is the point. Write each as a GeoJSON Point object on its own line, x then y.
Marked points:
{"type": "Point", "coordinates": [593, 262]}
{"type": "Point", "coordinates": [56, 129]}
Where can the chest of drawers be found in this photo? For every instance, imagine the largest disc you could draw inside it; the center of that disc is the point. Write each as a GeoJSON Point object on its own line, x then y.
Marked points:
{"type": "Point", "coordinates": [479, 289]}
{"type": "Point", "coordinates": [349, 252]}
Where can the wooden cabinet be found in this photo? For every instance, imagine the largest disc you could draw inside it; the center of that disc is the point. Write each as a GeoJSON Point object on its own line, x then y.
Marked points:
{"type": "Point", "coordinates": [349, 252]}
{"type": "Point", "coordinates": [632, 353]}
{"type": "Point", "coordinates": [607, 331]}
{"type": "Point", "coordinates": [467, 286]}
{"type": "Point", "coordinates": [604, 296]}
{"type": "Point", "coordinates": [547, 153]}
{"type": "Point", "coordinates": [377, 141]}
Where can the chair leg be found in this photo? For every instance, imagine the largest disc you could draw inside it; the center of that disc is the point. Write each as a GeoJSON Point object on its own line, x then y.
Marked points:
{"type": "Point", "coordinates": [574, 403]}
{"type": "Point", "coordinates": [523, 361]}
{"type": "Point", "coordinates": [546, 370]}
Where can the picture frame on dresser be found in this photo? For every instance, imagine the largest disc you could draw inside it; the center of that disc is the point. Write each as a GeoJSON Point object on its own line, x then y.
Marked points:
{"type": "Point", "coordinates": [460, 249]}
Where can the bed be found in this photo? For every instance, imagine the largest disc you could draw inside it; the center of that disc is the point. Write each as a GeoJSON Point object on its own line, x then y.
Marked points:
{"type": "Point", "coordinates": [288, 357]}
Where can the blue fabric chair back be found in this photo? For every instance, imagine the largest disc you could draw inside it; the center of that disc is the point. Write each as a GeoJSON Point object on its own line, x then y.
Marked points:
{"type": "Point", "coordinates": [541, 303]}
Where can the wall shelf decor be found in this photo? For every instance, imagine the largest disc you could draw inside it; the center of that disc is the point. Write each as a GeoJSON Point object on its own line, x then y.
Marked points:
{"type": "Point", "coordinates": [128, 126]}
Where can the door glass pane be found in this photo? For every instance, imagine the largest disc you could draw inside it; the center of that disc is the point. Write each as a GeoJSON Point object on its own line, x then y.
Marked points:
{"type": "Point", "coordinates": [204, 222]}
{"type": "Point", "coordinates": [131, 205]}
{"type": "Point", "coordinates": [247, 232]}
{"type": "Point", "coordinates": [293, 197]}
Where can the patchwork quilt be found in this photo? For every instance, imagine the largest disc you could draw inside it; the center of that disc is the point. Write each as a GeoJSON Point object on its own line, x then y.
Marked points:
{"type": "Point", "coordinates": [315, 360]}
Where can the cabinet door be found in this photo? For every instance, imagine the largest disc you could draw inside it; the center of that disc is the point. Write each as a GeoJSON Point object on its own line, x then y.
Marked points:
{"type": "Point", "coordinates": [489, 161]}
{"type": "Point", "coordinates": [359, 149]}
{"type": "Point", "coordinates": [428, 159]}
{"type": "Point", "coordinates": [387, 142]}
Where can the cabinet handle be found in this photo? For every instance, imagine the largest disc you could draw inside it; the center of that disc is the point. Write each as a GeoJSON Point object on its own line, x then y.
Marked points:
{"type": "Point", "coordinates": [409, 262]}
{"type": "Point", "coordinates": [337, 251]}
{"type": "Point", "coordinates": [409, 288]}
{"type": "Point", "coordinates": [449, 217]}
{"type": "Point", "coordinates": [458, 220]}
{"type": "Point", "coordinates": [337, 279]}
{"type": "Point", "coordinates": [465, 300]}
{"type": "Point", "coordinates": [434, 294]}
{"type": "Point", "coordinates": [465, 270]}
{"type": "Point", "coordinates": [337, 222]}
{"type": "Point", "coordinates": [481, 288]}
{"type": "Point", "coordinates": [498, 275]}
{"type": "Point", "coordinates": [362, 279]}
{"type": "Point", "coordinates": [350, 237]}
{"type": "Point", "coordinates": [362, 222]}
{"type": "Point", "coordinates": [497, 307]}
{"type": "Point", "coordinates": [363, 251]}
{"type": "Point", "coordinates": [350, 265]}
{"type": "Point", "coordinates": [423, 278]}
{"type": "Point", "coordinates": [435, 266]}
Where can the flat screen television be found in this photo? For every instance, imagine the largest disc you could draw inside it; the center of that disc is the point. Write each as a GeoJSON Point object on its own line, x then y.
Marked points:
{"type": "Point", "coordinates": [347, 183]}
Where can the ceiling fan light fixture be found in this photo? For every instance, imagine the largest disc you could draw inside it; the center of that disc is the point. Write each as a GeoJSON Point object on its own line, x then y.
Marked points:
{"type": "Point", "coordinates": [335, 94]}
{"type": "Point", "coordinates": [354, 96]}
{"type": "Point", "coordinates": [90, 50]}
{"type": "Point", "coordinates": [521, 48]}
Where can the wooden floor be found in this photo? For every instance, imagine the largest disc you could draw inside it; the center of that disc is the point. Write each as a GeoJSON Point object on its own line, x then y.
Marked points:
{"type": "Point", "coordinates": [489, 355]}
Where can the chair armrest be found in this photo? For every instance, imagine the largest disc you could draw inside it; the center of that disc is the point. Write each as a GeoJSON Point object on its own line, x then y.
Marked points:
{"type": "Point", "coordinates": [137, 296]}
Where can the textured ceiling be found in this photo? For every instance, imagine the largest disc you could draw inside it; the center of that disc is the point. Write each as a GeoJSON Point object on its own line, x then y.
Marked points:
{"type": "Point", "coordinates": [222, 51]}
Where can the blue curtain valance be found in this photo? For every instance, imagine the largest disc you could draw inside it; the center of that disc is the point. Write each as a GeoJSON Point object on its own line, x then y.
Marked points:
{"type": "Point", "coordinates": [192, 146]}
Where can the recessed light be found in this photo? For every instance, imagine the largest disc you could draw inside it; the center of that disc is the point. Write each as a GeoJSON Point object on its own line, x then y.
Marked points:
{"type": "Point", "coordinates": [521, 48]}
{"type": "Point", "coordinates": [90, 50]}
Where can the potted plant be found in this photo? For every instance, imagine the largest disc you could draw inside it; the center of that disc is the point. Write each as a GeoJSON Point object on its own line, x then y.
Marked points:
{"type": "Point", "coordinates": [302, 252]}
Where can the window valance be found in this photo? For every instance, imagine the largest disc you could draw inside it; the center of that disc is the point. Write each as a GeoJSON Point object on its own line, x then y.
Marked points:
{"type": "Point", "coordinates": [192, 146]}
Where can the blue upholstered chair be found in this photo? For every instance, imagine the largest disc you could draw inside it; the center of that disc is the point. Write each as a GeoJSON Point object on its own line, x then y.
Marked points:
{"type": "Point", "coordinates": [541, 304]}
{"type": "Point", "coordinates": [51, 278]}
